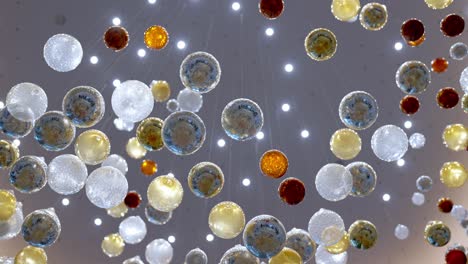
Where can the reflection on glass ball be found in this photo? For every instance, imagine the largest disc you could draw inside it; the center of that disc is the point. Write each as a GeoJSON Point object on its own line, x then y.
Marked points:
{"type": "Point", "coordinates": [417, 140]}
{"type": "Point", "coordinates": [113, 245]}
{"type": "Point", "coordinates": [321, 221]}
{"type": "Point", "coordinates": [116, 38]}
{"type": "Point", "coordinates": [206, 180]}
{"type": "Point", "coordinates": [63, 53]}
{"type": "Point", "coordinates": [424, 183]}
{"type": "Point", "coordinates": [389, 143]}
{"type": "Point", "coordinates": [172, 105]}
{"type": "Point", "coordinates": [274, 164]}
{"type": "Point", "coordinates": [286, 255]}
{"type": "Point", "coordinates": [373, 16]}
{"type": "Point", "coordinates": [196, 256]}
{"type": "Point", "coordinates": [28, 174]}
{"type": "Point", "coordinates": [157, 217]}
{"type": "Point", "coordinates": [156, 37]}
{"type": "Point", "coordinates": [438, 4]}
{"type": "Point", "coordinates": [364, 178]}
{"type": "Point", "coordinates": [264, 236]}
{"type": "Point", "coordinates": [118, 211]}
{"type": "Point", "coordinates": [324, 257]}
{"type": "Point", "coordinates": [345, 144]}
{"type": "Point", "coordinates": [161, 90]}
{"type": "Point", "coordinates": [84, 106]}
{"type": "Point", "coordinates": [92, 147]}
{"type": "Point", "coordinates": [226, 220]}
{"type": "Point", "coordinates": [183, 133]}
{"type": "Point", "coordinates": [242, 119]}
{"type": "Point", "coordinates": [12, 126]}
{"type": "Point", "coordinates": [31, 255]}
{"type": "Point", "coordinates": [7, 205]}
{"type": "Point", "coordinates": [54, 131]}
{"type": "Point", "coordinates": [453, 174]}
{"type": "Point", "coordinates": [302, 243]}
{"type": "Point", "coordinates": [362, 234]}
{"type": "Point", "coordinates": [132, 230]}
{"type": "Point", "coordinates": [41, 228]}
{"type": "Point", "coordinates": [437, 234]}
{"type": "Point", "coordinates": [401, 232]}
{"type": "Point", "coordinates": [320, 44]}
{"type": "Point", "coordinates": [464, 80]}
{"type": "Point", "coordinates": [333, 182]}
{"type": "Point", "coordinates": [165, 193]}
{"type": "Point", "coordinates": [455, 137]}
{"type": "Point", "coordinates": [134, 149]}
{"type": "Point", "coordinates": [149, 134]}
{"type": "Point", "coordinates": [189, 100]}
{"type": "Point", "coordinates": [106, 187]}
{"type": "Point", "coordinates": [238, 255]}
{"type": "Point", "coordinates": [8, 154]}
{"type": "Point", "coordinates": [159, 251]}
{"type": "Point", "coordinates": [345, 10]}
{"type": "Point", "coordinates": [358, 110]}
{"type": "Point", "coordinates": [132, 101]}
{"type": "Point", "coordinates": [28, 95]}
{"type": "Point", "coordinates": [271, 9]}
{"type": "Point", "coordinates": [341, 246]}
{"type": "Point", "coordinates": [117, 162]}
{"type": "Point", "coordinates": [200, 71]}
{"type": "Point", "coordinates": [413, 77]}
{"type": "Point", "coordinates": [11, 227]}
{"type": "Point", "coordinates": [458, 51]}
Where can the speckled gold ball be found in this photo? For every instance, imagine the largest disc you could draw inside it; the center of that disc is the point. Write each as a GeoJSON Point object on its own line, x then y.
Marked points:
{"type": "Point", "coordinates": [92, 147]}
{"type": "Point", "coordinates": [165, 193]}
{"type": "Point", "coordinates": [362, 234]}
{"type": "Point", "coordinates": [286, 256]}
{"type": "Point", "coordinates": [345, 144]}
{"type": "Point", "coordinates": [118, 211]}
{"type": "Point", "coordinates": [161, 90]}
{"type": "Point", "coordinates": [341, 246]}
{"type": "Point", "coordinates": [226, 220]}
{"type": "Point", "coordinates": [134, 149]}
{"type": "Point", "coordinates": [31, 255]}
{"type": "Point", "coordinates": [113, 245]}
{"type": "Point", "coordinates": [8, 154]}
{"type": "Point", "coordinates": [149, 134]}
{"type": "Point", "coordinates": [453, 174]}
{"type": "Point", "coordinates": [437, 234]}
{"type": "Point", "coordinates": [7, 205]}
{"type": "Point", "coordinates": [156, 37]}
{"type": "Point", "coordinates": [438, 4]}
{"type": "Point", "coordinates": [345, 10]}
{"type": "Point", "coordinates": [274, 164]}
{"type": "Point", "coordinates": [455, 137]}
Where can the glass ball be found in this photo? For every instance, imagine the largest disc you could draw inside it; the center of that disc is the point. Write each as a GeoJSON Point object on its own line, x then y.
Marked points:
{"type": "Point", "coordinates": [161, 90]}
{"type": "Point", "coordinates": [389, 143]}
{"type": "Point", "coordinates": [418, 199]}
{"type": "Point", "coordinates": [413, 77]}
{"type": "Point", "coordinates": [157, 217]}
{"type": "Point", "coordinates": [63, 53]}
{"type": "Point", "coordinates": [417, 140]}
{"type": "Point", "coordinates": [149, 134]}
{"type": "Point", "coordinates": [159, 251]}
{"type": "Point", "coordinates": [447, 98]}
{"type": "Point", "coordinates": [200, 72]}
{"type": "Point", "coordinates": [134, 149]}
{"type": "Point", "coordinates": [148, 167]}
{"type": "Point", "coordinates": [445, 205]}
{"type": "Point", "coordinates": [464, 103]}
{"type": "Point", "coordinates": [132, 200]}
{"type": "Point", "coordinates": [226, 220]}
{"type": "Point", "coordinates": [264, 236]}
{"type": "Point", "coordinates": [242, 119]}
{"type": "Point", "coordinates": [7, 260]}
{"type": "Point", "coordinates": [238, 255]}
{"type": "Point", "coordinates": [464, 80]}
{"type": "Point", "coordinates": [134, 260]}
{"type": "Point", "coordinates": [364, 178]}
{"type": "Point", "coordinates": [274, 164]}
{"type": "Point", "coordinates": [84, 106]}
{"type": "Point", "coordinates": [41, 228]}
{"type": "Point", "coordinates": [54, 131]}
{"type": "Point", "coordinates": [401, 232]}
{"type": "Point", "coordinates": [437, 234]}
{"type": "Point", "coordinates": [13, 127]}
{"type": "Point", "coordinates": [118, 211]}
{"type": "Point", "coordinates": [206, 180]}
{"type": "Point", "coordinates": [28, 174]}
{"type": "Point", "coordinates": [172, 105]}
{"type": "Point", "coordinates": [117, 162]}
{"type": "Point", "coordinates": [456, 256]}
{"type": "Point", "coordinates": [189, 100]}
{"type": "Point", "coordinates": [7, 205]}
{"type": "Point", "coordinates": [324, 257]}
{"type": "Point", "coordinates": [412, 31]}
{"type": "Point", "coordinates": [113, 245]}
{"type": "Point", "coordinates": [156, 37]}
{"type": "Point", "coordinates": [302, 243]}
{"type": "Point", "coordinates": [458, 51]}
{"type": "Point", "coordinates": [123, 125]}
{"type": "Point", "coordinates": [438, 4]}
{"type": "Point", "coordinates": [183, 133]}
{"type": "Point", "coordinates": [424, 183]}
{"type": "Point", "coordinates": [132, 230]}
{"type": "Point", "coordinates": [358, 110]}
{"type": "Point", "coordinates": [439, 65]}
{"type": "Point", "coordinates": [345, 144]}
{"type": "Point", "coordinates": [362, 234]}
{"type": "Point", "coordinates": [271, 9]}
{"type": "Point", "coordinates": [8, 154]}
{"type": "Point", "coordinates": [31, 255]}
{"type": "Point", "coordinates": [334, 182]}
{"type": "Point", "coordinates": [286, 255]}
{"type": "Point", "coordinates": [341, 246]}
{"type": "Point", "coordinates": [27, 95]}
{"type": "Point", "coordinates": [92, 147]}
{"type": "Point", "coordinates": [455, 137]}
{"type": "Point", "coordinates": [196, 256]}
{"type": "Point", "coordinates": [132, 101]}
{"type": "Point", "coordinates": [324, 220]}
{"type": "Point", "coordinates": [345, 10]}
{"type": "Point", "coordinates": [116, 38]}
{"type": "Point", "coordinates": [106, 187]}
{"type": "Point", "coordinates": [453, 174]}
{"type": "Point", "coordinates": [459, 213]}
{"type": "Point", "coordinates": [12, 227]}
{"type": "Point", "coordinates": [320, 44]}
{"type": "Point", "coordinates": [452, 25]}
{"type": "Point", "coordinates": [292, 191]}
{"type": "Point", "coordinates": [165, 193]}
{"type": "Point", "coordinates": [409, 105]}
{"type": "Point", "coordinates": [373, 16]}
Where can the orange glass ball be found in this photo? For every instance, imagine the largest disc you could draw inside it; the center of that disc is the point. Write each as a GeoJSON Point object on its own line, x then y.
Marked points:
{"type": "Point", "coordinates": [439, 65]}
{"type": "Point", "coordinates": [148, 167]}
{"type": "Point", "coordinates": [274, 164]}
{"type": "Point", "coordinates": [156, 37]}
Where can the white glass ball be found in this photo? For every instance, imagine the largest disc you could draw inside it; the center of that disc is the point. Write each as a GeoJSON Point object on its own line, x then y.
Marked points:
{"type": "Point", "coordinates": [132, 101]}
{"type": "Point", "coordinates": [159, 251]}
{"type": "Point", "coordinates": [389, 143]}
{"type": "Point", "coordinates": [63, 53]}
{"type": "Point", "coordinates": [417, 140]}
{"type": "Point", "coordinates": [123, 125]}
{"type": "Point", "coordinates": [321, 222]}
{"type": "Point", "coordinates": [189, 100]}
{"type": "Point", "coordinates": [29, 96]}
{"type": "Point", "coordinates": [12, 227]}
{"type": "Point", "coordinates": [401, 232]}
{"type": "Point", "coordinates": [322, 256]}
{"type": "Point", "coordinates": [418, 199]}
{"type": "Point", "coordinates": [132, 230]}
{"type": "Point", "coordinates": [458, 51]}
{"type": "Point", "coordinates": [172, 105]}
{"type": "Point", "coordinates": [334, 182]}
{"type": "Point", "coordinates": [117, 162]}
{"type": "Point", "coordinates": [196, 256]}
{"type": "Point", "coordinates": [134, 260]}
{"type": "Point", "coordinates": [459, 212]}
{"type": "Point", "coordinates": [464, 80]}
{"type": "Point", "coordinates": [106, 187]}
{"type": "Point", "coordinates": [66, 174]}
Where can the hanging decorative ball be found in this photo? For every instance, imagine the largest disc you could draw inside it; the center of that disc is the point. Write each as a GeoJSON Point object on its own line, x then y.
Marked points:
{"type": "Point", "coordinates": [362, 234]}
{"type": "Point", "coordinates": [113, 245]}
{"type": "Point", "coordinates": [134, 260]}
{"type": "Point", "coordinates": [165, 193]}
{"type": "Point", "coordinates": [189, 100]}
{"type": "Point", "coordinates": [206, 180]}
{"type": "Point", "coordinates": [324, 220]}
{"type": "Point", "coordinates": [116, 38]}
{"type": "Point", "coordinates": [438, 4]}
{"type": "Point", "coordinates": [132, 101]}
{"type": "Point", "coordinates": [41, 228]}
{"type": "Point", "coordinates": [300, 241]}
{"type": "Point", "coordinates": [183, 133]}
{"type": "Point", "coordinates": [341, 246]}
{"type": "Point", "coordinates": [12, 227]}
{"type": "Point", "coordinates": [458, 51]}
{"type": "Point", "coordinates": [123, 125]}
{"type": "Point", "coordinates": [417, 140]}
{"type": "Point", "coordinates": [117, 162]}
{"type": "Point", "coordinates": [401, 232]}
{"type": "Point", "coordinates": [226, 220]}
{"type": "Point", "coordinates": [358, 110]}
{"type": "Point", "coordinates": [132, 200]}
{"type": "Point", "coordinates": [7, 260]}
{"type": "Point", "coordinates": [459, 213]}
{"type": "Point", "coordinates": [456, 256]}
{"type": "Point", "coordinates": [134, 149]}
{"type": "Point", "coordinates": [320, 44]}
{"type": "Point", "coordinates": [92, 147]}
{"type": "Point", "coordinates": [106, 187]}
{"type": "Point", "coordinates": [54, 131]}
{"type": "Point", "coordinates": [149, 134]}
{"type": "Point", "coordinates": [148, 167]}
{"type": "Point", "coordinates": [28, 95]}
{"type": "Point", "coordinates": [274, 164]}
{"type": "Point", "coordinates": [132, 230]}
{"type": "Point", "coordinates": [373, 16]}
{"type": "Point", "coordinates": [13, 127]}
{"type": "Point", "coordinates": [271, 9]}
{"type": "Point", "coordinates": [28, 174]}
{"type": "Point", "coordinates": [7, 205]}
{"type": "Point", "coordinates": [333, 182]}
{"type": "Point", "coordinates": [464, 103]}
{"type": "Point", "coordinates": [413, 32]}
{"type": "Point", "coordinates": [453, 174]}
{"type": "Point", "coordinates": [159, 251]}
{"type": "Point", "coordinates": [161, 90]}
{"type": "Point", "coordinates": [324, 257]}
{"type": "Point", "coordinates": [389, 143]}
{"type": "Point", "coordinates": [63, 53]}
{"type": "Point", "coordinates": [447, 98]}
{"type": "Point", "coordinates": [364, 178]}
{"type": "Point", "coordinates": [345, 10]}
{"type": "Point", "coordinates": [200, 72]}
{"type": "Point", "coordinates": [292, 191]}
{"type": "Point", "coordinates": [242, 119]}
{"type": "Point", "coordinates": [264, 236]}
{"type": "Point", "coordinates": [455, 137]}
{"type": "Point", "coordinates": [238, 255]}
{"type": "Point", "coordinates": [172, 105]}
{"type": "Point", "coordinates": [157, 217]}
{"type": "Point", "coordinates": [84, 106]}
{"type": "Point", "coordinates": [31, 255]}
{"type": "Point", "coordinates": [413, 77]}
{"type": "Point", "coordinates": [286, 256]}
{"type": "Point", "coordinates": [439, 65]}
{"type": "Point", "coordinates": [196, 256]}
{"type": "Point", "coordinates": [118, 211]}
{"type": "Point", "coordinates": [156, 37]}
{"type": "Point", "coordinates": [445, 205]}
{"type": "Point", "coordinates": [464, 80]}
{"type": "Point", "coordinates": [418, 199]}
{"type": "Point", "coordinates": [409, 105]}
{"type": "Point", "coordinates": [437, 234]}
{"type": "Point", "coordinates": [424, 183]}
{"type": "Point", "coordinates": [452, 25]}
{"type": "Point", "coordinates": [9, 153]}
{"type": "Point", "coordinates": [345, 144]}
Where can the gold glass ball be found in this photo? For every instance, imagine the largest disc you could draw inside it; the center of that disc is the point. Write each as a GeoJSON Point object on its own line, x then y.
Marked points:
{"type": "Point", "coordinates": [455, 137]}
{"type": "Point", "coordinates": [165, 193]}
{"type": "Point", "coordinates": [437, 234]}
{"type": "Point", "coordinates": [438, 4]}
{"type": "Point", "coordinates": [345, 144]}
{"type": "Point", "coordinates": [341, 246]}
{"type": "Point", "coordinates": [362, 234]}
{"type": "Point", "coordinates": [286, 256]}
{"type": "Point", "coordinates": [149, 133]}
{"type": "Point", "coordinates": [161, 90]}
{"type": "Point", "coordinates": [156, 37]}
{"type": "Point", "coordinates": [118, 211]}
{"type": "Point", "coordinates": [453, 174]}
{"type": "Point", "coordinates": [345, 10]}
{"type": "Point", "coordinates": [134, 149]}
{"type": "Point", "coordinates": [7, 205]}
{"type": "Point", "coordinates": [8, 154]}
{"type": "Point", "coordinates": [226, 220]}
{"type": "Point", "coordinates": [92, 147]}
{"type": "Point", "coordinates": [113, 245]}
{"type": "Point", "coordinates": [31, 255]}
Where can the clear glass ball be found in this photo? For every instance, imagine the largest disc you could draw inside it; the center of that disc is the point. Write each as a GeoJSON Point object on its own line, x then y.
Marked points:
{"type": "Point", "coordinates": [172, 105]}
{"type": "Point", "coordinates": [417, 140]}
{"type": "Point", "coordinates": [63, 53]}
{"type": "Point", "coordinates": [418, 199]}
{"type": "Point", "coordinates": [117, 162]}
{"type": "Point", "coordinates": [401, 232]}
{"type": "Point", "coordinates": [458, 51]}
{"type": "Point", "coordinates": [12, 126]}
{"type": "Point", "coordinates": [28, 174]}
{"type": "Point", "coordinates": [132, 230]}
{"type": "Point", "coordinates": [106, 187]}
{"type": "Point", "coordinates": [389, 143]}
{"type": "Point", "coordinates": [41, 228]}
{"type": "Point", "coordinates": [200, 71]}
{"type": "Point", "coordinates": [189, 100]}
{"type": "Point", "coordinates": [84, 105]}
{"type": "Point", "coordinates": [28, 95]}
{"type": "Point", "coordinates": [334, 182]}
{"type": "Point", "coordinates": [132, 101]}
{"type": "Point", "coordinates": [413, 77]}
{"type": "Point", "coordinates": [358, 110]}
{"type": "Point", "coordinates": [157, 217]}
{"type": "Point", "coordinates": [242, 119]}
{"type": "Point", "coordinates": [323, 220]}
{"type": "Point", "coordinates": [424, 183]}
{"type": "Point", "coordinates": [238, 254]}
{"type": "Point", "coordinates": [196, 256]}
{"type": "Point", "coordinates": [159, 251]}
{"type": "Point", "coordinates": [464, 80]}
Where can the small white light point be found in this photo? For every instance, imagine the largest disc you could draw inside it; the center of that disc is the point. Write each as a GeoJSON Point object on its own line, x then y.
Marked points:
{"type": "Point", "coordinates": [386, 197]}
{"type": "Point", "coordinates": [246, 182]}
{"type": "Point", "coordinates": [209, 237]}
{"type": "Point", "coordinates": [408, 124]}
{"type": "Point", "coordinates": [65, 202]}
{"type": "Point", "coordinates": [116, 82]}
{"type": "Point", "coordinates": [269, 32]}
{"type": "Point", "coordinates": [171, 239]}
{"type": "Point", "coordinates": [288, 67]}
{"type": "Point", "coordinates": [116, 21]}
{"type": "Point", "coordinates": [401, 162]}
{"type": "Point", "coordinates": [260, 135]}
{"type": "Point", "coordinates": [2, 105]}
{"type": "Point", "coordinates": [398, 46]}
{"type": "Point", "coordinates": [98, 221]}
{"type": "Point", "coordinates": [16, 142]}
{"type": "Point", "coordinates": [94, 59]}
{"type": "Point", "coordinates": [170, 174]}
{"type": "Point", "coordinates": [152, 2]}
{"type": "Point", "coordinates": [305, 133]}
{"type": "Point", "coordinates": [285, 107]}
{"type": "Point", "coordinates": [235, 6]}
{"type": "Point", "coordinates": [221, 143]}
{"type": "Point", "coordinates": [181, 44]}
{"type": "Point", "coordinates": [141, 53]}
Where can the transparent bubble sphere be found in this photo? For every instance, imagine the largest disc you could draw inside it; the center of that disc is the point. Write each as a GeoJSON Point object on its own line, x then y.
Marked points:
{"type": "Point", "coordinates": [172, 105]}
{"type": "Point", "coordinates": [106, 187]}
{"type": "Point", "coordinates": [302, 243]}
{"type": "Point", "coordinates": [242, 119]}
{"type": "Point", "coordinates": [334, 182]}
{"type": "Point", "coordinates": [358, 110]}
{"type": "Point", "coordinates": [424, 183]}
{"type": "Point", "coordinates": [413, 77]}
{"type": "Point", "coordinates": [159, 251]}
{"type": "Point", "coordinates": [196, 256]}
{"type": "Point", "coordinates": [132, 101]}
{"type": "Point", "coordinates": [157, 217]}
{"type": "Point", "coordinates": [84, 105]}
{"type": "Point", "coordinates": [117, 162]}
{"type": "Point", "coordinates": [418, 199]}
{"type": "Point", "coordinates": [28, 95]}
{"type": "Point", "coordinates": [389, 143]}
{"type": "Point", "coordinates": [63, 53]}
{"type": "Point", "coordinates": [12, 126]}
{"type": "Point", "coordinates": [458, 51]}
{"type": "Point", "coordinates": [417, 140]}
{"type": "Point", "coordinates": [323, 220]}
{"type": "Point", "coordinates": [132, 230]}
{"type": "Point", "coordinates": [200, 71]}
{"type": "Point", "coordinates": [238, 255]}
{"type": "Point", "coordinates": [189, 100]}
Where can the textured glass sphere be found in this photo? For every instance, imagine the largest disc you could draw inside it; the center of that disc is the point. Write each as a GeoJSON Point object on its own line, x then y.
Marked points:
{"type": "Point", "coordinates": [458, 51]}
{"type": "Point", "coordinates": [238, 255]}
{"type": "Point", "coordinates": [31, 255]}
{"type": "Point", "coordinates": [401, 232]}
{"type": "Point", "coordinates": [364, 178]}
{"type": "Point", "coordinates": [264, 236]}
{"type": "Point", "coordinates": [437, 234]}
{"type": "Point", "coordinates": [28, 95]}
{"type": "Point", "coordinates": [206, 180]}
{"type": "Point", "coordinates": [334, 182]}
{"type": "Point", "coordinates": [286, 255]}
{"type": "Point", "coordinates": [302, 243]}
{"type": "Point", "coordinates": [63, 53]}
{"type": "Point", "coordinates": [84, 106]}
{"type": "Point", "coordinates": [413, 77]}
{"type": "Point", "coordinates": [362, 234]}
{"type": "Point", "coordinates": [464, 80]}
{"type": "Point", "coordinates": [324, 257]}
{"type": "Point", "coordinates": [200, 72]}
{"type": "Point", "coordinates": [156, 37]}
{"type": "Point", "coordinates": [113, 245]}
{"type": "Point", "coordinates": [159, 251]}
{"type": "Point", "coordinates": [54, 131]}
{"type": "Point", "coordinates": [183, 133]}
{"type": "Point", "coordinates": [424, 183]}
{"type": "Point", "coordinates": [149, 134]}
{"type": "Point", "coordinates": [196, 256]}
{"type": "Point", "coordinates": [418, 199]}
{"type": "Point", "coordinates": [189, 100]}
{"type": "Point", "coordinates": [226, 220]}
{"type": "Point", "coordinates": [12, 227]}
{"type": "Point", "coordinates": [320, 44]}
{"type": "Point", "coordinates": [165, 193]}
{"type": "Point", "coordinates": [341, 246]}
{"type": "Point", "coordinates": [417, 140]}
{"type": "Point", "coordinates": [373, 16]}
{"type": "Point", "coordinates": [459, 212]}
{"type": "Point", "coordinates": [132, 230]}
{"type": "Point", "coordinates": [8, 154]}
{"type": "Point", "coordinates": [322, 221]}
{"type": "Point", "coordinates": [358, 110]}
{"type": "Point", "coordinates": [41, 228]}
{"type": "Point", "coordinates": [7, 205]}
{"type": "Point", "coordinates": [132, 101]}
{"type": "Point", "coordinates": [117, 162]}
{"type": "Point", "coordinates": [345, 144]}
{"type": "Point", "coordinates": [106, 187]}
{"type": "Point", "coordinates": [455, 137]}
{"type": "Point", "coordinates": [172, 105]}
{"type": "Point", "coordinates": [92, 147]}
{"type": "Point", "coordinates": [123, 125]}
{"type": "Point", "coordinates": [12, 126]}
{"type": "Point", "coordinates": [157, 217]}
{"type": "Point", "coordinates": [242, 119]}
{"type": "Point", "coordinates": [134, 260]}
{"type": "Point", "coordinates": [134, 149]}
{"type": "Point", "coordinates": [438, 4]}
{"type": "Point", "coordinates": [453, 174]}
{"type": "Point", "coordinates": [345, 10]}
{"type": "Point", "coordinates": [28, 174]}
{"type": "Point", "coordinates": [389, 143]}
{"type": "Point", "coordinates": [118, 211]}
{"type": "Point", "coordinates": [161, 90]}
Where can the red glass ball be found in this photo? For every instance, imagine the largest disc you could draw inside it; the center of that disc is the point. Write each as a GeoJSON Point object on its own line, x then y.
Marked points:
{"type": "Point", "coordinates": [445, 205]}
{"type": "Point", "coordinates": [132, 200]}
{"type": "Point", "coordinates": [409, 105]}
{"type": "Point", "coordinates": [412, 31]}
{"type": "Point", "coordinates": [455, 256]}
{"type": "Point", "coordinates": [452, 25]}
{"type": "Point", "coordinates": [447, 98]}
{"type": "Point", "coordinates": [292, 191]}
{"type": "Point", "coordinates": [116, 38]}
{"type": "Point", "coordinates": [271, 9]}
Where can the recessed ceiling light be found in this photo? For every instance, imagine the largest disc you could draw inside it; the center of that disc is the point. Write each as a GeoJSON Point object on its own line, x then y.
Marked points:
{"type": "Point", "coordinates": [246, 182]}
{"type": "Point", "coordinates": [221, 143]}
{"type": "Point", "coordinates": [94, 59]}
{"type": "Point", "coordinates": [141, 53]}
{"type": "Point", "coordinates": [116, 21]}
{"type": "Point", "coordinates": [65, 202]}
{"type": "Point", "coordinates": [260, 135]}
{"type": "Point", "coordinates": [408, 124]}
{"type": "Point", "coordinates": [285, 107]}
{"type": "Point", "coordinates": [98, 221]}
{"type": "Point", "coordinates": [209, 237]}
{"type": "Point", "coordinates": [386, 197]}
{"type": "Point", "coordinates": [235, 6]}
{"type": "Point", "coordinates": [288, 67]}
{"type": "Point", "coordinates": [304, 133]}
{"type": "Point", "coordinates": [269, 32]}
{"type": "Point", "coordinates": [181, 44]}
{"type": "Point", "coordinates": [398, 46]}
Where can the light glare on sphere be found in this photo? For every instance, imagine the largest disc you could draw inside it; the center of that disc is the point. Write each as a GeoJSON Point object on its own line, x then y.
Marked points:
{"type": "Point", "coordinates": [63, 53]}
{"type": "Point", "coordinates": [132, 101]}
{"type": "Point", "coordinates": [389, 143]}
{"type": "Point", "coordinates": [66, 174]}
{"type": "Point", "coordinates": [106, 187]}
{"type": "Point", "coordinates": [159, 251]}
{"type": "Point", "coordinates": [27, 95]}
{"type": "Point", "coordinates": [132, 230]}
{"type": "Point", "coordinates": [321, 221]}
{"type": "Point", "coordinates": [189, 100]}
{"type": "Point", "coordinates": [334, 182]}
